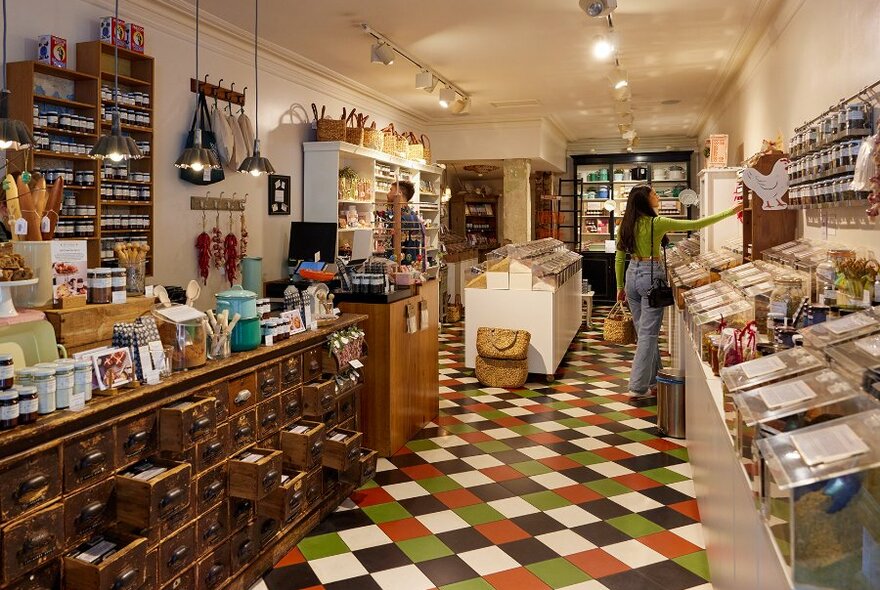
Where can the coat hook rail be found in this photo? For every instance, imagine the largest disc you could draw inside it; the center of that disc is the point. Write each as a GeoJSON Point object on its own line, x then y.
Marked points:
{"type": "Point", "coordinates": [217, 91]}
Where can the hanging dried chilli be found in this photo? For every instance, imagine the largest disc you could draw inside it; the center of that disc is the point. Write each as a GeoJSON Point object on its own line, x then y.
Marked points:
{"type": "Point", "coordinates": [203, 248]}
{"type": "Point", "coordinates": [218, 256]}
{"type": "Point", "coordinates": [230, 246]}
{"type": "Point", "coordinates": [243, 242]}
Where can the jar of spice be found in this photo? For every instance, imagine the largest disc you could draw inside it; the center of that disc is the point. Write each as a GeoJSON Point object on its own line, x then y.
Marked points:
{"type": "Point", "coordinates": [786, 297]}
{"type": "Point", "coordinates": [117, 281]}
{"type": "Point", "coordinates": [44, 380]}
{"type": "Point", "coordinates": [82, 379]}
{"type": "Point", "coordinates": [28, 404]}
{"type": "Point", "coordinates": [63, 384]}
{"type": "Point", "coordinates": [24, 377]}
{"type": "Point", "coordinates": [8, 409]}
{"type": "Point", "coordinates": [101, 288]}
{"type": "Point", "coordinates": [7, 371]}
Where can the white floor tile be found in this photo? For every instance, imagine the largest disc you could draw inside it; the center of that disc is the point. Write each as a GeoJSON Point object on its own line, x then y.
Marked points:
{"type": "Point", "coordinates": [562, 397]}
{"type": "Point", "coordinates": [550, 426]}
{"type": "Point", "coordinates": [553, 480]}
{"type": "Point", "coordinates": [684, 469]}
{"type": "Point", "coordinates": [482, 461]}
{"type": "Point", "coordinates": [364, 537]}
{"type": "Point", "coordinates": [571, 516]}
{"type": "Point", "coordinates": [337, 567]}
{"type": "Point", "coordinates": [384, 464]}
{"type": "Point", "coordinates": [593, 431]}
{"type": "Point", "coordinates": [637, 449]}
{"type": "Point", "coordinates": [685, 487]}
{"type": "Point", "coordinates": [692, 533]}
{"type": "Point", "coordinates": [488, 561]}
{"type": "Point", "coordinates": [538, 452]}
{"type": "Point", "coordinates": [637, 424]}
{"type": "Point", "coordinates": [513, 507]}
{"type": "Point", "coordinates": [516, 411]}
{"type": "Point", "coordinates": [635, 502]}
{"type": "Point", "coordinates": [470, 479]}
{"type": "Point", "coordinates": [609, 469]}
{"type": "Point", "coordinates": [408, 577]}
{"type": "Point", "coordinates": [565, 542]}
{"type": "Point", "coordinates": [446, 442]}
{"type": "Point", "coordinates": [523, 401]}
{"type": "Point", "coordinates": [576, 412]}
{"type": "Point", "coordinates": [468, 418]}
{"type": "Point", "coordinates": [589, 443]}
{"type": "Point", "coordinates": [436, 455]}
{"type": "Point", "coordinates": [633, 553]}
{"type": "Point", "coordinates": [406, 490]}
{"type": "Point", "coordinates": [501, 433]}
{"type": "Point", "coordinates": [588, 585]}
{"type": "Point", "coordinates": [441, 522]}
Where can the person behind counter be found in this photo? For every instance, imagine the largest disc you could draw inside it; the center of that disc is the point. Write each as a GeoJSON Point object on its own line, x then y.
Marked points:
{"type": "Point", "coordinates": [634, 238]}
{"type": "Point", "coordinates": [401, 188]}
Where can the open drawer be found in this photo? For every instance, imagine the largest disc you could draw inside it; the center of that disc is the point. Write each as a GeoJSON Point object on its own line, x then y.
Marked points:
{"type": "Point", "coordinates": [254, 473]}
{"type": "Point", "coordinates": [362, 469]}
{"type": "Point", "coordinates": [152, 490]}
{"type": "Point", "coordinates": [341, 448]}
{"type": "Point", "coordinates": [123, 568]}
{"type": "Point", "coordinates": [287, 501]}
{"type": "Point", "coordinates": [303, 444]}
{"type": "Point", "coordinates": [183, 424]}
{"type": "Point", "coordinates": [319, 397]}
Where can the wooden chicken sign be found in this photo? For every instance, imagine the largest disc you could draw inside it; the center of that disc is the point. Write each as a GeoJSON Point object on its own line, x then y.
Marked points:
{"type": "Point", "coordinates": [768, 179]}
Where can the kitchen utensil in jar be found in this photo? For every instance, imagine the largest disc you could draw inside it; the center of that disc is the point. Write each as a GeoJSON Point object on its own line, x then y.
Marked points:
{"type": "Point", "coordinates": [193, 290]}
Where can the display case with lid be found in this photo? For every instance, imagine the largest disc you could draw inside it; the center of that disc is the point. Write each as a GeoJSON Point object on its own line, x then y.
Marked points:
{"type": "Point", "coordinates": [770, 369]}
{"type": "Point", "coordinates": [850, 327]}
{"type": "Point", "coordinates": [823, 502]}
{"type": "Point", "coordinates": [734, 315]}
{"type": "Point", "coordinates": [705, 292]}
{"type": "Point", "coordinates": [859, 361]}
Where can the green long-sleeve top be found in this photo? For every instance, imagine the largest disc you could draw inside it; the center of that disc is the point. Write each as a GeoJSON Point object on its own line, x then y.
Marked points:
{"type": "Point", "coordinates": [662, 225]}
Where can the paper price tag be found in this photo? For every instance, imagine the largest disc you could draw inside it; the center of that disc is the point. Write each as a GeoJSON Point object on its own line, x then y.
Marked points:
{"type": "Point", "coordinates": [45, 225]}
{"type": "Point", "coordinates": [151, 377]}
{"type": "Point", "coordinates": [829, 445]}
{"type": "Point", "coordinates": [77, 402]}
{"type": "Point", "coordinates": [20, 227]}
{"type": "Point", "coordinates": [118, 297]}
{"type": "Point", "coordinates": [356, 364]}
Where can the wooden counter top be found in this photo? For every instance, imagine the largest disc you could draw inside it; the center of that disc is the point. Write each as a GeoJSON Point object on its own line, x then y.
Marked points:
{"type": "Point", "coordinates": [180, 384]}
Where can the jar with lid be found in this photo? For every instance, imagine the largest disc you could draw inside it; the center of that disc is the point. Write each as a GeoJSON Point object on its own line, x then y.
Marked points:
{"type": "Point", "coordinates": [7, 371]}
{"type": "Point", "coordinates": [44, 381]}
{"type": "Point", "coordinates": [813, 137]}
{"type": "Point", "coordinates": [786, 297]}
{"type": "Point", "coordinates": [117, 280]}
{"type": "Point", "coordinates": [28, 404]}
{"type": "Point", "coordinates": [8, 409]}
{"type": "Point", "coordinates": [63, 384]}
{"type": "Point", "coordinates": [101, 287]}
{"type": "Point", "coordinates": [855, 116]}
{"type": "Point", "coordinates": [24, 377]}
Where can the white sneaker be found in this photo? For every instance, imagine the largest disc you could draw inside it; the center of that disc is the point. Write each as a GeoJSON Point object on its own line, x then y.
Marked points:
{"type": "Point", "coordinates": [636, 394]}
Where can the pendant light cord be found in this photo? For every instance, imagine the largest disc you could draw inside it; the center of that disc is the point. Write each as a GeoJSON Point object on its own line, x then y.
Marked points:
{"type": "Point", "coordinates": [256, 70]}
{"type": "Point", "coordinates": [4, 44]}
{"type": "Point", "coordinates": [115, 63]}
{"type": "Point", "coordinates": [197, 43]}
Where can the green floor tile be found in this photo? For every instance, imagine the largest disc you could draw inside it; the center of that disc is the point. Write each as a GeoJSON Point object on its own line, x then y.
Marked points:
{"type": "Point", "coordinates": [634, 525]}
{"type": "Point", "coordinates": [422, 445]}
{"type": "Point", "coordinates": [493, 414]}
{"type": "Point", "coordinates": [637, 435]}
{"type": "Point", "coordinates": [424, 548]}
{"type": "Point", "coordinates": [601, 400]}
{"type": "Point", "coordinates": [323, 546]}
{"type": "Point", "coordinates": [475, 584]}
{"type": "Point", "coordinates": [492, 446]}
{"type": "Point", "coordinates": [531, 468]}
{"type": "Point", "coordinates": [439, 484]}
{"type": "Point", "coordinates": [558, 573]}
{"type": "Point", "coordinates": [617, 416]}
{"type": "Point", "coordinates": [696, 563]}
{"type": "Point", "coordinates": [369, 485]}
{"type": "Point", "coordinates": [557, 405]}
{"type": "Point", "coordinates": [526, 429]}
{"type": "Point", "coordinates": [529, 393]}
{"type": "Point", "coordinates": [608, 487]}
{"type": "Point", "coordinates": [586, 458]}
{"type": "Point", "coordinates": [572, 422]}
{"type": "Point", "coordinates": [546, 500]}
{"type": "Point", "coordinates": [679, 454]}
{"type": "Point", "coordinates": [664, 476]}
{"type": "Point", "coordinates": [459, 428]}
{"type": "Point", "coordinates": [478, 514]}
{"type": "Point", "coordinates": [386, 512]}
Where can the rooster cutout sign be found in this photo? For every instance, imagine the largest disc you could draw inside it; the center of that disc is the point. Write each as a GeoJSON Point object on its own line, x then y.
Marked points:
{"type": "Point", "coordinates": [770, 187]}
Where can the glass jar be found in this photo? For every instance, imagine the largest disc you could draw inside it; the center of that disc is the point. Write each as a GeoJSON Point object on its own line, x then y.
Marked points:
{"type": "Point", "coordinates": [24, 377]}
{"type": "Point", "coordinates": [135, 277]}
{"type": "Point", "coordinates": [8, 409]}
{"type": "Point", "coordinates": [28, 404]}
{"type": "Point", "coordinates": [855, 116]}
{"type": "Point", "coordinates": [44, 380]}
{"type": "Point", "coordinates": [786, 297]}
{"type": "Point", "coordinates": [100, 288]}
{"type": "Point", "coordinates": [7, 371]}
{"type": "Point", "coordinates": [63, 385]}
{"type": "Point", "coordinates": [117, 280]}
{"type": "Point", "coordinates": [82, 379]}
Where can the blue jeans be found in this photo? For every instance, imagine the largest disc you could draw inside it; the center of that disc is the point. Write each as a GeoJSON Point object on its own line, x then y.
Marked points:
{"type": "Point", "coordinates": [647, 320]}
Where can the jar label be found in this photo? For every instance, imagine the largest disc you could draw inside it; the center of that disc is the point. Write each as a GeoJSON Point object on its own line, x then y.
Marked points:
{"type": "Point", "coordinates": [7, 372]}
{"type": "Point", "coordinates": [47, 386]}
{"type": "Point", "coordinates": [9, 412]}
{"type": "Point", "coordinates": [28, 406]}
{"type": "Point", "coordinates": [62, 397]}
{"type": "Point", "coordinates": [779, 307]}
{"type": "Point", "coordinates": [63, 382]}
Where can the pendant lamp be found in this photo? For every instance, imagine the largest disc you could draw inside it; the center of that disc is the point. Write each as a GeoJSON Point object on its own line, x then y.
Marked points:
{"type": "Point", "coordinates": [197, 157]}
{"type": "Point", "coordinates": [115, 146]}
{"type": "Point", "coordinates": [14, 134]}
{"type": "Point", "coordinates": [256, 165]}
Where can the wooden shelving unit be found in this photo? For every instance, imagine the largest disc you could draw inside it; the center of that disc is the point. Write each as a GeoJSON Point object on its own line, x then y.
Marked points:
{"type": "Point", "coordinates": [78, 92]}
{"type": "Point", "coordinates": [477, 218]}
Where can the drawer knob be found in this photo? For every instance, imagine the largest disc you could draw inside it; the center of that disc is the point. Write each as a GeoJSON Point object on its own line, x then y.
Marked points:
{"type": "Point", "coordinates": [89, 513]}
{"type": "Point", "coordinates": [199, 425]}
{"type": "Point", "coordinates": [212, 450]}
{"type": "Point", "coordinates": [268, 385]}
{"type": "Point", "coordinates": [172, 497]}
{"type": "Point", "coordinates": [353, 454]}
{"type": "Point", "coordinates": [177, 557]}
{"type": "Point", "coordinates": [242, 397]}
{"type": "Point", "coordinates": [295, 501]}
{"type": "Point", "coordinates": [30, 486]}
{"type": "Point", "coordinates": [327, 401]}
{"type": "Point", "coordinates": [213, 531]}
{"type": "Point", "coordinates": [291, 375]}
{"type": "Point", "coordinates": [214, 575]}
{"type": "Point", "coordinates": [242, 507]}
{"type": "Point", "coordinates": [317, 447]}
{"type": "Point", "coordinates": [314, 364]}
{"type": "Point", "coordinates": [36, 543]}
{"type": "Point", "coordinates": [269, 419]}
{"type": "Point", "coordinates": [368, 472]}
{"type": "Point", "coordinates": [91, 461]}
{"type": "Point", "coordinates": [125, 579]}
{"type": "Point", "coordinates": [270, 479]}
{"type": "Point", "coordinates": [312, 493]}
{"type": "Point", "coordinates": [243, 432]}
{"type": "Point", "coordinates": [267, 526]}
{"type": "Point", "coordinates": [136, 442]}
{"type": "Point", "coordinates": [245, 549]}
{"type": "Point", "coordinates": [212, 490]}
{"type": "Point", "coordinates": [292, 408]}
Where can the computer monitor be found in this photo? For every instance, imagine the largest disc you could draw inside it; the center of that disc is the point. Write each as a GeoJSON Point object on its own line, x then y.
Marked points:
{"type": "Point", "coordinates": [309, 237]}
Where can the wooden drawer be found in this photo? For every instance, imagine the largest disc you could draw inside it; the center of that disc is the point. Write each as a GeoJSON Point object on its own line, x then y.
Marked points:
{"type": "Point", "coordinates": [211, 487]}
{"type": "Point", "coordinates": [303, 450]}
{"type": "Point", "coordinates": [341, 448]}
{"type": "Point", "coordinates": [291, 371]}
{"type": "Point", "coordinates": [212, 571]}
{"type": "Point", "coordinates": [31, 541]}
{"type": "Point", "coordinates": [47, 578]}
{"type": "Point", "coordinates": [242, 393]}
{"type": "Point", "coordinates": [363, 469]}
{"type": "Point", "coordinates": [212, 528]}
{"type": "Point", "coordinates": [268, 381]}
{"type": "Point", "coordinates": [319, 397]}
{"type": "Point", "coordinates": [145, 503]}
{"type": "Point", "coordinates": [330, 419]}
{"type": "Point", "coordinates": [273, 441]}
{"type": "Point", "coordinates": [213, 450]}
{"type": "Point", "coordinates": [314, 486]}
{"type": "Point", "coordinates": [151, 570]}
{"type": "Point", "coordinates": [254, 473]}
{"type": "Point", "coordinates": [243, 548]}
{"type": "Point", "coordinates": [286, 503]}
{"type": "Point", "coordinates": [88, 457]}
{"type": "Point", "coordinates": [27, 482]}
{"type": "Point", "coordinates": [346, 407]}
{"type": "Point", "coordinates": [179, 519]}
{"type": "Point", "coordinates": [291, 406]}
{"type": "Point", "coordinates": [88, 511]}
{"type": "Point", "coordinates": [177, 552]}
{"type": "Point", "coordinates": [241, 511]}
{"type": "Point", "coordinates": [312, 363]}
{"type": "Point", "coordinates": [269, 417]}
{"type": "Point", "coordinates": [185, 581]}
{"type": "Point", "coordinates": [183, 424]}
{"type": "Point", "coordinates": [350, 424]}
{"type": "Point", "coordinates": [124, 569]}
{"type": "Point", "coordinates": [217, 391]}
{"type": "Point", "coordinates": [136, 439]}
{"type": "Point", "coordinates": [265, 529]}
{"type": "Point", "coordinates": [243, 430]}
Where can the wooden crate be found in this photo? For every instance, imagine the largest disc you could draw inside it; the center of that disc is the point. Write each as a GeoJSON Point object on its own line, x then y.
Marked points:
{"type": "Point", "coordinates": [90, 326]}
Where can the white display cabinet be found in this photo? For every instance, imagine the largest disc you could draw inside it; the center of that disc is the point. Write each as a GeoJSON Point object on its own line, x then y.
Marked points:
{"type": "Point", "coordinates": [717, 186]}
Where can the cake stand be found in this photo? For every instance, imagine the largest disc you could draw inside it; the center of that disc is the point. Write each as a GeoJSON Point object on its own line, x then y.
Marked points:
{"type": "Point", "coordinates": [7, 309]}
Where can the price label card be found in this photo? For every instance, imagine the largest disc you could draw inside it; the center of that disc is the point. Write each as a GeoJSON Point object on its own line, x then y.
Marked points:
{"type": "Point", "coordinates": [77, 402]}
{"type": "Point", "coordinates": [829, 445]}
{"type": "Point", "coordinates": [356, 364]}
{"type": "Point", "coordinates": [118, 297]}
{"type": "Point", "coordinates": [152, 377]}
{"type": "Point", "coordinates": [786, 394]}
{"type": "Point", "coordinates": [762, 366]}
{"type": "Point", "coordinates": [849, 323]}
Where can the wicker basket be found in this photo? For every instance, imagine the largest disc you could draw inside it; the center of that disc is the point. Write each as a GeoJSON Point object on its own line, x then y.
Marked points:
{"type": "Point", "coordinates": [454, 309]}
{"type": "Point", "coordinates": [427, 144]}
{"type": "Point", "coordinates": [373, 138]}
{"type": "Point", "coordinates": [402, 150]}
{"type": "Point", "coordinates": [389, 140]}
{"type": "Point", "coordinates": [500, 343]}
{"type": "Point", "coordinates": [415, 150]}
{"type": "Point", "coordinates": [331, 129]}
{"type": "Point", "coordinates": [619, 328]}
{"type": "Point", "coordinates": [354, 133]}
{"type": "Point", "coordinates": [502, 373]}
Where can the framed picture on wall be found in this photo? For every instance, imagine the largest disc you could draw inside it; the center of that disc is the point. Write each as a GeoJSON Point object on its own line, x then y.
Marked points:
{"type": "Point", "coordinates": [279, 194]}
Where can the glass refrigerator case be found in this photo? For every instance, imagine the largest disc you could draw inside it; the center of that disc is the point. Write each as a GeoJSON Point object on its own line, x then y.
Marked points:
{"type": "Point", "coordinates": [823, 502]}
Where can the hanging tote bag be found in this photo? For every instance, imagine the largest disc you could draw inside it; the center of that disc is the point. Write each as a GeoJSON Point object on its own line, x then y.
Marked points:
{"type": "Point", "coordinates": [373, 138]}
{"type": "Point", "coordinates": [660, 295]}
{"type": "Point", "coordinates": [329, 129]}
{"type": "Point", "coordinates": [202, 120]}
{"type": "Point", "coordinates": [501, 343]}
{"type": "Point", "coordinates": [389, 140]}
{"type": "Point", "coordinates": [619, 328]}
{"type": "Point", "coordinates": [415, 150]}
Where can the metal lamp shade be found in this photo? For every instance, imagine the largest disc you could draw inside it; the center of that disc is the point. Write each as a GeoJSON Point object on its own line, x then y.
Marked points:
{"type": "Point", "coordinates": [116, 146]}
{"type": "Point", "coordinates": [256, 165]}
{"type": "Point", "coordinates": [197, 157]}
{"type": "Point", "coordinates": [14, 135]}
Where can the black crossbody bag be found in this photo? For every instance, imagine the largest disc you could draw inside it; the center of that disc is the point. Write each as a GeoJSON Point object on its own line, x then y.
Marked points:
{"type": "Point", "coordinates": [660, 295]}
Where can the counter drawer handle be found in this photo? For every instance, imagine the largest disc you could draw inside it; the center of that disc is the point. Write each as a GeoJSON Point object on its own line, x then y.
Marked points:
{"type": "Point", "coordinates": [270, 479]}
{"type": "Point", "coordinates": [245, 549]}
{"type": "Point", "coordinates": [291, 375]}
{"type": "Point", "coordinates": [37, 542]}
{"type": "Point", "coordinates": [89, 513]}
{"type": "Point", "coordinates": [242, 507]}
{"type": "Point", "coordinates": [212, 450]}
{"type": "Point", "coordinates": [31, 485]}
{"type": "Point", "coordinates": [271, 418]}
{"type": "Point", "coordinates": [295, 501]}
{"type": "Point", "coordinates": [243, 432]}
{"type": "Point", "coordinates": [172, 497]}
{"type": "Point", "coordinates": [317, 448]}
{"type": "Point", "coordinates": [268, 385]}
{"type": "Point", "coordinates": [314, 365]}
{"type": "Point", "coordinates": [292, 408]}
{"type": "Point", "coordinates": [199, 425]}
{"type": "Point", "coordinates": [214, 574]}
{"type": "Point", "coordinates": [213, 531]}
{"type": "Point", "coordinates": [91, 460]}
{"type": "Point", "coordinates": [124, 579]}
{"type": "Point", "coordinates": [327, 401]}
{"type": "Point", "coordinates": [312, 493]}
{"type": "Point", "coordinates": [212, 490]}
{"type": "Point", "coordinates": [368, 473]}
{"type": "Point", "coordinates": [177, 556]}
{"type": "Point", "coordinates": [353, 454]}
{"type": "Point", "coordinates": [242, 397]}
{"type": "Point", "coordinates": [267, 527]}
{"type": "Point", "coordinates": [136, 441]}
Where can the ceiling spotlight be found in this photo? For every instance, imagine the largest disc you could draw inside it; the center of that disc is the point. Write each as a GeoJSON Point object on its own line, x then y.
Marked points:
{"type": "Point", "coordinates": [603, 46]}
{"type": "Point", "coordinates": [622, 94]}
{"type": "Point", "coordinates": [447, 97]}
{"type": "Point", "coordinates": [596, 8]}
{"type": "Point", "coordinates": [382, 54]}
{"type": "Point", "coordinates": [426, 81]}
{"type": "Point", "coordinates": [461, 106]}
{"type": "Point", "coordinates": [618, 79]}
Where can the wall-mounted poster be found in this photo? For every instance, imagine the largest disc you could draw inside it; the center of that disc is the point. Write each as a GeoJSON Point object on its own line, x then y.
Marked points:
{"type": "Point", "coordinates": [279, 194]}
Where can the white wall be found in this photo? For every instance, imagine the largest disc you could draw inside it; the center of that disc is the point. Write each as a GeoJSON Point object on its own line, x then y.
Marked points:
{"type": "Point", "coordinates": [286, 91]}
{"type": "Point", "coordinates": [814, 54]}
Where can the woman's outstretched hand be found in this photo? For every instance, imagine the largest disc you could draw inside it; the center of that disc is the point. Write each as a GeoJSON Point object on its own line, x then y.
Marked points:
{"type": "Point", "coordinates": [621, 295]}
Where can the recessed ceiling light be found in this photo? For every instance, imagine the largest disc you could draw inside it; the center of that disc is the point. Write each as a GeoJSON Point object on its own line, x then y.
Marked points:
{"type": "Point", "coordinates": [671, 101]}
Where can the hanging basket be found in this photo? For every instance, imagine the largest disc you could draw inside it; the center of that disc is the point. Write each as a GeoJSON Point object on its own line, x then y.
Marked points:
{"type": "Point", "coordinates": [373, 138]}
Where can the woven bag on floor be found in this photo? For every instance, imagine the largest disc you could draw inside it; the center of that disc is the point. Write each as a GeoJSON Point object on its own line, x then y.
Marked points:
{"type": "Point", "coordinates": [502, 373]}
{"type": "Point", "coordinates": [501, 343]}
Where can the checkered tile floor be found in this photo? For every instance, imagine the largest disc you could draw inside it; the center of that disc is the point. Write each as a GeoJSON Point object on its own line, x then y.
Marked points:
{"type": "Point", "coordinates": [559, 485]}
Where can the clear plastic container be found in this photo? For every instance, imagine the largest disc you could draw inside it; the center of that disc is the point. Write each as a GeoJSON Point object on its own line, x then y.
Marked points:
{"type": "Point", "coordinates": [859, 361]}
{"type": "Point", "coordinates": [770, 369]}
{"type": "Point", "coordinates": [851, 327]}
{"type": "Point", "coordinates": [188, 337]}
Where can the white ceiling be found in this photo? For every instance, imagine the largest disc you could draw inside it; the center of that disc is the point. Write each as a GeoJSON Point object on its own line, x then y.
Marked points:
{"type": "Point", "coordinates": [515, 50]}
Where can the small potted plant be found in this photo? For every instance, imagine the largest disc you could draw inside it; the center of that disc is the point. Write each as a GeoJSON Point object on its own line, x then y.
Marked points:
{"type": "Point", "coordinates": [618, 175]}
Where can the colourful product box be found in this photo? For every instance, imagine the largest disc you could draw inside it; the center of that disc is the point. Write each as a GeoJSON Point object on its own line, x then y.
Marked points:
{"type": "Point", "coordinates": [136, 37]}
{"type": "Point", "coordinates": [52, 50]}
{"type": "Point", "coordinates": [113, 31]}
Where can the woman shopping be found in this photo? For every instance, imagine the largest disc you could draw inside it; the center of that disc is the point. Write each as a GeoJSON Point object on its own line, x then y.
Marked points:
{"type": "Point", "coordinates": [639, 224]}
